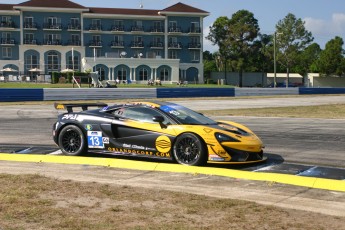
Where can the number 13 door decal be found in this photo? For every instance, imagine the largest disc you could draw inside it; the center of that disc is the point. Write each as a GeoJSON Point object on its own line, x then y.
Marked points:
{"type": "Point", "coordinates": [94, 139]}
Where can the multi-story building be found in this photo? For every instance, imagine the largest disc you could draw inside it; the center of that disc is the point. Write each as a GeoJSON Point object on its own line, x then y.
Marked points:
{"type": "Point", "coordinates": [45, 36]}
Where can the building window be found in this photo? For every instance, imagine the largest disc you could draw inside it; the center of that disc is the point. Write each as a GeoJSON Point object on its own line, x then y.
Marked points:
{"type": "Point", "coordinates": [31, 62]}
{"type": "Point", "coordinates": [157, 27]}
{"type": "Point", "coordinates": [194, 28]}
{"type": "Point", "coordinates": [143, 74]}
{"type": "Point", "coordinates": [52, 23]}
{"type": "Point", "coordinates": [173, 27]}
{"type": "Point", "coordinates": [164, 74]}
{"type": "Point", "coordinates": [75, 40]}
{"type": "Point", "coordinates": [74, 24]}
{"type": "Point", "coordinates": [75, 64]}
{"type": "Point", "coordinates": [6, 52]}
{"type": "Point", "coordinates": [52, 39]}
{"type": "Point", "coordinates": [53, 62]}
{"type": "Point", "coordinates": [172, 54]}
{"type": "Point", "coordinates": [29, 22]}
{"type": "Point", "coordinates": [96, 24]}
{"type": "Point", "coordinates": [122, 74]}
{"type": "Point", "coordinates": [101, 73]}
{"type": "Point", "coordinates": [118, 25]}
{"type": "Point", "coordinates": [195, 56]}
{"type": "Point", "coordinates": [29, 38]}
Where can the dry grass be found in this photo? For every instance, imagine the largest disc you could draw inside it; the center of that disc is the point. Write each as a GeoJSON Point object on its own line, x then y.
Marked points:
{"type": "Point", "coordinates": [36, 202]}
{"type": "Point", "coordinates": [320, 111]}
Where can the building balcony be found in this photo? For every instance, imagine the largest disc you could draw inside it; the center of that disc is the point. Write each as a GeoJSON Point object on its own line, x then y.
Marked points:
{"type": "Point", "coordinates": [156, 45]}
{"type": "Point", "coordinates": [7, 41]}
{"type": "Point", "coordinates": [194, 30]}
{"type": "Point", "coordinates": [95, 28]}
{"type": "Point", "coordinates": [49, 26]}
{"type": "Point", "coordinates": [137, 29]}
{"type": "Point", "coordinates": [137, 44]}
{"type": "Point", "coordinates": [117, 44]}
{"type": "Point", "coordinates": [95, 44]}
{"type": "Point", "coordinates": [74, 27]}
{"type": "Point", "coordinates": [194, 45]}
{"type": "Point", "coordinates": [175, 30]}
{"type": "Point", "coordinates": [7, 24]}
{"type": "Point", "coordinates": [117, 28]}
{"type": "Point", "coordinates": [49, 42]}
{"type": "Point", "coordinates": [157, 29]}
{"type": "Point", "coordinates": [175, 45]}
{"type": "Point", "coordinates": [73, 43]}
{"type": "Point", "coordinates": [30, 42]}
{"type": "Point", "coordinates": [30, 26]}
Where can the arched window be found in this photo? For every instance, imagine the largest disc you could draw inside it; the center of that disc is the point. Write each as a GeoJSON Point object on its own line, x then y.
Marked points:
{"type": "Point", "coordinates": [101, 73]}
{"type": "Point", "coordinates": [31, 62]}
{"type": "Point", "coordinates": [73, 65]}
{"type": "Point", "coordinates": [122, 74]}
{"type": "Point", "coordinates": [53, 61]}
{"type": "Point", "coordinates": [143, 74]}
{"type": "Point", "coordinates": [164, 74]}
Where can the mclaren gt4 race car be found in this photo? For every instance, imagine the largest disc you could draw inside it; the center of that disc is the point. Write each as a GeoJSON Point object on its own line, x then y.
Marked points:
{"type": "Point", "coordinates": [155, 130]}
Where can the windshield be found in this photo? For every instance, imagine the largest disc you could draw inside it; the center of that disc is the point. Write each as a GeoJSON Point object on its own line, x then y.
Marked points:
{"type": "Point", "coordinates": [186, 116]}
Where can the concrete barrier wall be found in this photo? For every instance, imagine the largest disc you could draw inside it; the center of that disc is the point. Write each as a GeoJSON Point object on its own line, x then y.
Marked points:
{"type": "Point", "coordinates": [98, 93]}
{"type": "Point", "coordinates": [194, 92]}
{"type": "Point", "coordinates": [12, 95]}
{"type": "Point", "coordinates": [265, 91]}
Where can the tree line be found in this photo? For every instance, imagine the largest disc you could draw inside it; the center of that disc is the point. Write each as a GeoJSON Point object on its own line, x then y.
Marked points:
{"type": "Point", "coordinates": [242, 48]}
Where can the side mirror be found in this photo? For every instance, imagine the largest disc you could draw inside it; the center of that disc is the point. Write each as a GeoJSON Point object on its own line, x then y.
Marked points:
{"type": "Point", "coordinates": [158, 119]}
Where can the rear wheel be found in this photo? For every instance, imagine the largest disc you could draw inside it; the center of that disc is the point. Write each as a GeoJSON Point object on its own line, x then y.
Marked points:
{"type": "Point", "coordinates": [189, 149]}
{"type": "Point", "coordinates": [72, 141]}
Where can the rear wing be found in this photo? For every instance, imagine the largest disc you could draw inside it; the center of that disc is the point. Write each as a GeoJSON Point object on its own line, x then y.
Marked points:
{"type": "Point", "coordinates": [83, 106]}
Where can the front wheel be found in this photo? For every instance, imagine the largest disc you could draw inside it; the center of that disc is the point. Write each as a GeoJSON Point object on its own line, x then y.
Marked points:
{"type": "Point", "coordinates": [189, 149]}
{"type": "Point", "coordinates": [72, 141]}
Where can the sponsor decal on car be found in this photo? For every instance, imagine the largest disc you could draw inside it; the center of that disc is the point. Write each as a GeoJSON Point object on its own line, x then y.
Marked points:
{"type": "Point", "coordinates": [105, 140]}
{"type": "Point", "coordinates": [139, 152]}
{"type": "Point", "coordinates": [70, 117]}
{"type": "Point", "coordinates": [88, 127]}
{"type": "Point", "coordinates": [163, 144]}
{"type": "Point", "coordinates": [95, 140]}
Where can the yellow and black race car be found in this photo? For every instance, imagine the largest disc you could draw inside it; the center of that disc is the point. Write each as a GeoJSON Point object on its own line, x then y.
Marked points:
{"type": "Point", "coordinates": [155, 130]}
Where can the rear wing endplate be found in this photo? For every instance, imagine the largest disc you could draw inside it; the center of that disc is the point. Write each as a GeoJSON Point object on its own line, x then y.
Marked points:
{"type": "Point", "coordinates": [83, 106]}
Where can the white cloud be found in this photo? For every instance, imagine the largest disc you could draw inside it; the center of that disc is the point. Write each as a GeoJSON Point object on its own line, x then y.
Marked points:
{"type": "Point", "coordinates": [330, 28]}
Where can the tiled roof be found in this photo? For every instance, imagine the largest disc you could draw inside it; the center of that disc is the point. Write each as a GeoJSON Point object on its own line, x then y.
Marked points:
{"type": "Point", "coordinates": [6, 7]}
{"type": "Point", "coordinates": [51, 4]}
{"type": "Point", "coordinates": [123, 11]}
{"type": "Point", "coordinates": [180, 7]}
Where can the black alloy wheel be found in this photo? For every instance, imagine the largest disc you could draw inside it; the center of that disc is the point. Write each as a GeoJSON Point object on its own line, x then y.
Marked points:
{"type": "Point", "coordinates": [72, 141]}
{"type": "Point", "coordinates": [189, 149]}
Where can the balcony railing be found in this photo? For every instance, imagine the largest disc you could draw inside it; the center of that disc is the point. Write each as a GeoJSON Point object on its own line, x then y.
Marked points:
{"type": "Point", "coordinates": [175, 29]}
{"type": "Point", "coordinates": [115, 44]}
{"type": "Point", "coordinates": [95, 27]}
{"type": "Point", "coordinates": [7, 24]}
{"type": "Point", "coordinates": [30, 42]}
{"type": "Point", "coordinates": [137, 29]}
{"type": "Point", "coordinates": [156, 45]}
{"type": "Point", "coordinates": [118, 28]}
{"type": "Point", "coordinates": [74, 27]}
{"type": "Point", "coordinates": [31, 25]}
{"type": "Point", "coordinates": [194, 45]}
{"type": "Point", "coordinates": [175, 45]}
{"type": "Point", "coordinates": [194, 30]}
{"type": "Point", "coordinates": [56, 42]}
{"type": "Point", "coordinates": [49, 26]}
{"type": "Point", "coordinates": [135, 44]}
{"type": "Point", "coordinates": [95, 43]}
{"type": "Point", "coordinates": [74, 42]}
{"type": "Point", "coordinates": [156, 29]}
{"type": "Point", "coordinates": [7, 41]}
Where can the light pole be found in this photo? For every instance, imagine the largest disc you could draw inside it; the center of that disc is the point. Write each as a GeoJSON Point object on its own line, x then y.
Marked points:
{"type": "Point", "coordinates": [274, 58]}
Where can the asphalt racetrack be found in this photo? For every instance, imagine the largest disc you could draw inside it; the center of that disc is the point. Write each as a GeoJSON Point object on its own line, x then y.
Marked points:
{"type": "Point", "coordinates": [296, 146]}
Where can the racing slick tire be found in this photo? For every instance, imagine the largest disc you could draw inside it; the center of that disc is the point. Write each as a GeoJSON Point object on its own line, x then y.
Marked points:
{"type": "Point", "coordinates": [72, 141]}
{"type": "Point", "coordinates": [189, 149]}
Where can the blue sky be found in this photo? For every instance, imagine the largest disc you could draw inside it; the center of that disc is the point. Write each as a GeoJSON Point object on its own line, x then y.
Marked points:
{"type": "Point", "coordinates": [324, 18]}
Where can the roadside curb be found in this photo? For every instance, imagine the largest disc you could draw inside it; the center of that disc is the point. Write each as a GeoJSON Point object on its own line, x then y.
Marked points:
{"type": "Point", "coordinates": [310, 182]}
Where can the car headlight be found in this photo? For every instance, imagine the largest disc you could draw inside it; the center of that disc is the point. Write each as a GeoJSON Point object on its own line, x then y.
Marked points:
{"type": "Point", "coordinates": [225, 138]}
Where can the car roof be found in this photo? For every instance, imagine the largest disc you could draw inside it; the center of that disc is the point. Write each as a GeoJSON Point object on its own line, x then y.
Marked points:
{"type": "Point", "coordinates": [138, 103]}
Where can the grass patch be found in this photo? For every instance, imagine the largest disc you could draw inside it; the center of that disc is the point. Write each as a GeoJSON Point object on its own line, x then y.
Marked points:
{"type": "Point", "coordinates": [37, 202]}
{"type": "Point", "coordinates": [336, 111]}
